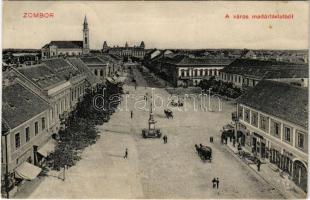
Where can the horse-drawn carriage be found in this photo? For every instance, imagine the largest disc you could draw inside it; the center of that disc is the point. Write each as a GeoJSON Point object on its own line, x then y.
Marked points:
{"type": "Point", "coordinates": [204, 152]}
{"type": "Point", "coordinates": [168, 113]}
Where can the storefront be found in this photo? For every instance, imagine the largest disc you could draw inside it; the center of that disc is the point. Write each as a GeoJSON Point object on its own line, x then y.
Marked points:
{"type": "Point", "coordinates": [258, 145]}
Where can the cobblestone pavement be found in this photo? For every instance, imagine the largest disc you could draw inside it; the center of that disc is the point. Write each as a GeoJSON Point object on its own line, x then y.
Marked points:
{"type": "Point", "coordinates": [154, 169]}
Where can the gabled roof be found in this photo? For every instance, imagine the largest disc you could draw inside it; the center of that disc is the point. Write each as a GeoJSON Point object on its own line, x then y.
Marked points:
{"type": "Point", "coordinates": [266, 69]}
{"type": "Point", "coordinates": [279, 99]}
{"type": "Point", "coordinates": [41, 75]}
{"type": "Point", "coordinates": [65, 44]}
{"type": "Point", "coordinates": [61, 67]}
{"type": "Point", "coordinates": [20, 104]}
{"type": "Point", "coordinates": [90, 77]}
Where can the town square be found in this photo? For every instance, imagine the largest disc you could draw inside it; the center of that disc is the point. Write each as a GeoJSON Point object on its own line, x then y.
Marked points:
{"type": "Point", "coordinates": [129, 100]}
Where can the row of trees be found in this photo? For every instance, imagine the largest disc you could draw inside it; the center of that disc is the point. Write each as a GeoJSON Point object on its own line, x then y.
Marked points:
{"type": "Point", "coordinates": [80, 127]}
{"type": "Point", "coordinates": [220, 87]}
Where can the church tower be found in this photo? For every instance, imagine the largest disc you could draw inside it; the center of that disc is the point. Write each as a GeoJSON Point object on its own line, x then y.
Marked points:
{"type": "Point", "coordinates": [85, 37]}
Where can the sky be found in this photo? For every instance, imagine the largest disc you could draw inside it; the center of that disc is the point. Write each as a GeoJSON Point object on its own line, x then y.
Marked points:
{"type": "Point", "coordinates": [169, 24]}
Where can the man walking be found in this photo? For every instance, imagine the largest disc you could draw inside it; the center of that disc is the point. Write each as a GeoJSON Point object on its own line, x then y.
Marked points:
{"type": "Point", "coordinates": [126, 154]}
{"type": "Point", "coordinates": [217, 183]}
{"type": "Point", "coordinates": [258, 165]}
{"type": "Point", "coordinates": [131, 114]}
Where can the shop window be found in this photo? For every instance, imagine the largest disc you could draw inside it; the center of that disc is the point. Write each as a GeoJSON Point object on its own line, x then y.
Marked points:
{"type": "Point", "coordinates": [300, 140]}
{"type": "Point", "coordinates": [17, 140]}
{"type": "Point", "coordinates": [287, 133]}
{"type": "Point", "coordinates": [254, 120]}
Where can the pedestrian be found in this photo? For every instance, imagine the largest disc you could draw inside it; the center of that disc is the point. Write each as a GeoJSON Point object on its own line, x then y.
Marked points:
{"type": "Point", "coordinates": [126, 154]}
{"type": "Point", "coordinates": [217, 183]}
{"type": "Point", "coordinates": [258, 165]}
{"type": "Point", "coordinates": [213, 182]}
{"type": "Point", "coordinates": [131, 114]}
{"type": "Point", "coordinates": [166, 139]}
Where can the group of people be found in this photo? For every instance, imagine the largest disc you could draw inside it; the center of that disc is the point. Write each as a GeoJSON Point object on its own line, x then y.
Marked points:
{"type": "Point", "coordinates": [215, 183]}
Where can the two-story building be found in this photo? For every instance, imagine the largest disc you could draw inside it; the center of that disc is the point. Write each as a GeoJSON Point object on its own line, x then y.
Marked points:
{"type": "Point", "coordinates": [273, 117]}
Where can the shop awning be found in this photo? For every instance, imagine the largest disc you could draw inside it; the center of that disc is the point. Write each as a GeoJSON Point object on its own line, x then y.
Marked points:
{"type": "Point", "coordinates": [47, 148]}
{"type": "Point", "coordinates": [27, 171]}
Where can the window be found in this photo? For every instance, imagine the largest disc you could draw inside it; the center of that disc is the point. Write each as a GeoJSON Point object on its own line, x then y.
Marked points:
{"type": "Point", "coordinates": [27, 133]}
{"type": "Point", "coordinates": [275, 128]}
{"type": "Point", "coordinates": [264, 123]}
{"type": "Point", "coordinates": [287, 133]}
{"type": "Point", "coordinates": [247, 115]}
{"type": "Point", "coordinates": [254, 120]}
{"type": "Point", "coordinates": [101, 72]}
{"type": "Point", "coordinates": [36, 128]}
{"type": "Point", "coordinates": [96, 72]}
{"type": "Point", "coordinates": [17, 140]}
{"type": "Point", "coordinates": [240, 112]}
{"type": "Point", "coordinates": [43, 123]}
{"type": "Point", "coordinates": [300, 140]}
{"type": "Point", "coordinates": [239, 79]}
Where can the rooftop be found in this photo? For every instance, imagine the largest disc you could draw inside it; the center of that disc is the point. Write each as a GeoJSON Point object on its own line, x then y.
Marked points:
{"type": "Point", "coordinates": [90, 77]}
{"type": "Point", "coordinates": [65, 44]}
{"type": "Point", "coordinates": [20, 104]}
{"type": "Point", "coordinates": [279, 99]}
{"type": "Point", "coordinates": [267, 69]}
{"type": "Point", "coordinates": [41, 75]}
{"type": "Point", "coordinates": [183, 60]}
{"type": "Point", "coordinates": [61, 67]}
{"type": "Point", "coordinates": [93, 61]}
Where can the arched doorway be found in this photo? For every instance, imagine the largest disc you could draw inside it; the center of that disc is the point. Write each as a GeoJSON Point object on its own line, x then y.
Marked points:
{"type": "Point", "coordinates": [300, 174]}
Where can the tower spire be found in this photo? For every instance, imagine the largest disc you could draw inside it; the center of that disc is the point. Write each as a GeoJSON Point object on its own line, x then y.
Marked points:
{"type": "Point", "coordinates": [85, 24]}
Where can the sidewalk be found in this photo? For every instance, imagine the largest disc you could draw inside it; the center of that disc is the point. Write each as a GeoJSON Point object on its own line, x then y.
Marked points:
{"type": "Point", "coordinates": [272, 176]}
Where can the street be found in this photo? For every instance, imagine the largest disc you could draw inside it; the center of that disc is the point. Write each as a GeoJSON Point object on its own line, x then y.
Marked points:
{"type": "Point", "coordinates": [154, 169]}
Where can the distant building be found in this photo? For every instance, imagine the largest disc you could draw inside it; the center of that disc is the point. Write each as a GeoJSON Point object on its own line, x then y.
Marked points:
{"type": "Point", "coordinates": [245, 73]}
{"type": "Point", "coordinates": [68, 48]}
{"type": "Point", "coordinates": [126, 51]}
{"type": "Point", "coordinates": [273, 122]}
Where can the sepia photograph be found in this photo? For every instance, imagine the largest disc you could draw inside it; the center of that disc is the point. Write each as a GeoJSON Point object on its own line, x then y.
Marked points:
{"type": "Point", "coordinates": [155, 99]}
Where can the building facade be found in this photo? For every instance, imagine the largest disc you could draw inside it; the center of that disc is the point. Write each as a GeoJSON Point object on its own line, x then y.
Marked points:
{"type": "Point", "coordinates": [273, 120]}
{"type": "Point", "coordinates": [25, 132]}
{"type": "Point", "coordinates": [126, 51]}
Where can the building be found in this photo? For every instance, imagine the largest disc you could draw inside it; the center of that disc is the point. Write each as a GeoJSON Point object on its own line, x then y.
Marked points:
{"type": "Point", "coordinates": [99, 67]}
{"type": "Point", "coordinates": [126, 51]}
{"type": "Point", "coordinates": [245, 73]}
{"type": "Point", "coordinates": [183, 70]}
{"type": "Point", "coordinates": [67, 48]}
{"type": "Point", "coordinates": [273, 120]}
{"type": "Point", "coordinates": [25, 135]}
{"type": "Point", "coordinates": [58, 82]}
